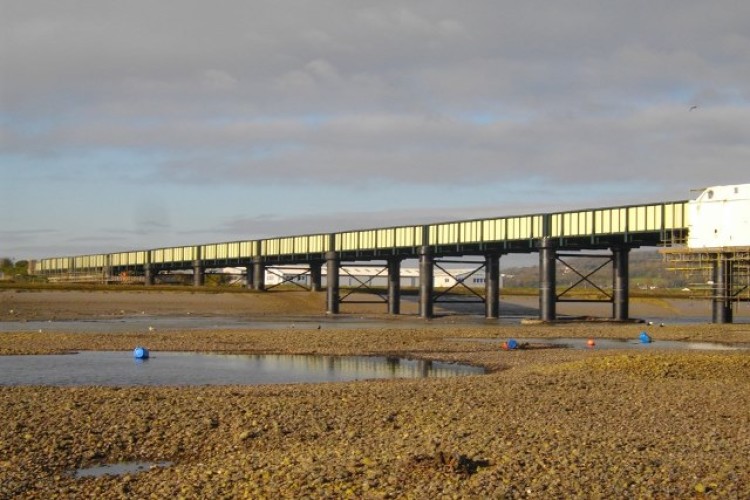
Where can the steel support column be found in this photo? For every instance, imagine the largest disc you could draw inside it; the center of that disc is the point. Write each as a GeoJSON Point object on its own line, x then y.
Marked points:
{"type": "Point", "coordinates": [721, 306]}
{"type": "Point", "coordinates": [332, 282]}
{"type": "Point", "coordinates": [620, 283]}
{"type": "Point", "coordinates": [249, 277]}
{"type": "Point", "coordinates": [394, 285]}
{"type": "Point", "coordinates": [729, 287]}
{"type": "Point", "coordinates": [492, 285]}
{"type": "Point", "coordinates": [107, 270]}
{"type": "Point", "coordinates": [148, 275]}
{"type": "Point", "coordinates": [199, 273]}
{"type": "Point", "coordinates": [426, 281]}
{"type": "Point", "coordinates": [547, 285]}
{"type": "Point", "coordinates": [199, 270]}
{"type": "Point", "coordinates": [259, 274]}
{"type": "Point", "coordinates": [316, 277]}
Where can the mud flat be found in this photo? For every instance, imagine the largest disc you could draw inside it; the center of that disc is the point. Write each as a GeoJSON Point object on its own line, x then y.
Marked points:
{"type": "Point", "coordinates": [543, 423]}
{"type": "Point", "coordinates": [61, 305]}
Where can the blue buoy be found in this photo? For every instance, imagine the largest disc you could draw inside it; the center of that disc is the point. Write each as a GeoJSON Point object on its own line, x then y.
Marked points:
{"type": "Point", "coordinates": [645, 338]}
{"type": "Point", "coordinates": [140, 353]}
{"type": "Point", "coordinates": [512, 344]}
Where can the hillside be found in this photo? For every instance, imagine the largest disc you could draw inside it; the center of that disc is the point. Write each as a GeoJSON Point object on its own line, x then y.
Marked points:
{"type": "Point", "coordinates": [647, 270]}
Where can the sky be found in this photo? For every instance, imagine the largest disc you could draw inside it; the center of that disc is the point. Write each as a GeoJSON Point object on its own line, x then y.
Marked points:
{"type": "Point", "coordinates": [142, 124]}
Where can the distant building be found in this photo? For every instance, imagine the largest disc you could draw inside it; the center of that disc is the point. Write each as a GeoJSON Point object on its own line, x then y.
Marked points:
{"type": "Point", "coordinates": [353, 276]}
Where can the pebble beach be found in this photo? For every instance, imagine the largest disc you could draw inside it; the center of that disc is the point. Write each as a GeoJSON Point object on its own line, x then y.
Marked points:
{"type": "Point", "coordinates": [542, 422]}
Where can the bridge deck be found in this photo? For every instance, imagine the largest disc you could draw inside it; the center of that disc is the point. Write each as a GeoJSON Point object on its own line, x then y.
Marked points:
{"type": "Point", "coordinates": [636, 225]}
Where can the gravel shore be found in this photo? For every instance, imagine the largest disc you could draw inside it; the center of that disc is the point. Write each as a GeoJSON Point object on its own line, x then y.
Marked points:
{"type": "Point", "coordinates": [543, 423]}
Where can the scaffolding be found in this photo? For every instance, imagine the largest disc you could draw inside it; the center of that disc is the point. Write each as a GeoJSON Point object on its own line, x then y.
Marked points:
{"type": "Point", "coordinates": [723, 273]}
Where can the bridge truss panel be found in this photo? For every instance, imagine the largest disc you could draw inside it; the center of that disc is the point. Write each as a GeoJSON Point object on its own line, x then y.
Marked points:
{"type": "Point", "coordinates": [664, 218]}
{"type": "Point", "coordinates": [386, 238]}
{"type": "Point", "coordinates": [378, 239]}
{"type": "Point", "coordinates": [580, 223]}
{"type": "Point", "coordinates": [221, 251]}
{"type": "Point", "coordinates": [525, 227]}
{"type": "Point", "coordinates": [675, 215]}
{"type": "Point", "coordinates": [56, 264]}
{"type": "Point", "coordinates": [128, 259]}
{"type": "Point", "coordinates": [644, 218]}
{"type": "Point", "coordinates": [175, 255]}
{"type": "Point", "coordinates": [293, 245]}
{"type": "Point", "coordinates": [89, 262]}
{"type": "Point", "coordinates": [610, 221]}
{"type": "Point", "coordinates": [247, 249]}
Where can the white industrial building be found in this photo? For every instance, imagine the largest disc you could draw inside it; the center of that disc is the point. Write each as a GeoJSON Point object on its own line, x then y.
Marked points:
{"type": "Point", "coordinates": [354, 276]}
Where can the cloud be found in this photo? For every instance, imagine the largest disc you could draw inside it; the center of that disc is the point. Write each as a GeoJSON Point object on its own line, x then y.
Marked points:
{"type": "Point", "coordinates": [344, 98]}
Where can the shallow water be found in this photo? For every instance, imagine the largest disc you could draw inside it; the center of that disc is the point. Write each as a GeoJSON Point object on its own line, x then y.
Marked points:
{"type": "Point", "coordinates": [119, 368]}
{"type": "Point", "coordinates": [146, 323]}
{"type": "Point", "coordinates": [583, 343]}
{"type": "Point", "coordinates": [118, 469]}
{"type": "Point", "coordinates": [157, 323]}
{"type": "Point", "coordinates": [160, 323]}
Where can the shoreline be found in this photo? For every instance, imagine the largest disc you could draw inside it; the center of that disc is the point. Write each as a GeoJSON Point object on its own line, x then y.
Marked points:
{"type": "Point", "coordinates": [42, 305]}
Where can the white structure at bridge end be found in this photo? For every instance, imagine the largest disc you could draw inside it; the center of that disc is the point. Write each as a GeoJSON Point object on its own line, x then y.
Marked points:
{"type": "Point", "coordinates": [720, 218]}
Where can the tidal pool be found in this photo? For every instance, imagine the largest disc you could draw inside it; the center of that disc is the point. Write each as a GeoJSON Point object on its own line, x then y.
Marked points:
{"type": "Point", "coordinates": [119, 368]}
{"type": "Point", "coordinates": [582, 343]}
{"type": "Point", "coordinates": [118, 469]}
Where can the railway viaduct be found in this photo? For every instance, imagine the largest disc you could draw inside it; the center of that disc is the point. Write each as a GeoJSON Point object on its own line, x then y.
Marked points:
{"type": "Point", "coordinates": [553, 236]}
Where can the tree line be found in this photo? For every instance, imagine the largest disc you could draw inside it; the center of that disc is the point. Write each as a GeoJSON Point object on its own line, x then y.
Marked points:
{"type": "Point", "coordinates": [11, 269]}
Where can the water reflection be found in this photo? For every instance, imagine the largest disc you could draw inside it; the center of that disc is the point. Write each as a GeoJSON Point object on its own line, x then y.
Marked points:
{"type": "Point", "coordinates": [175, 368]}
